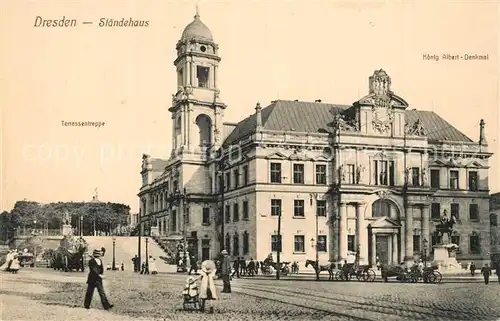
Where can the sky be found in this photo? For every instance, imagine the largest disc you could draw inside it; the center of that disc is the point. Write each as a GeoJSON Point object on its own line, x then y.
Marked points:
{"type": "Point", "coordinates": [304, 50]}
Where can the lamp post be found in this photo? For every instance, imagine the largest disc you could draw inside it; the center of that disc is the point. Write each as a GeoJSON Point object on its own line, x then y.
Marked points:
{"type": "Point", "coordinates": [113, 266]}
{"type": "Point", "coordinates": [314, 244]}
{"type": "Point", "coordinates": [278, 263]}
{"type": "Point", "coordinates": [34, 246]}
{"type": "Point", "coordinates": [147, 255]}
{"type": "Point", "coordinates": [34, 230]}
{"type": "Point", "coordinates": [81, 225]}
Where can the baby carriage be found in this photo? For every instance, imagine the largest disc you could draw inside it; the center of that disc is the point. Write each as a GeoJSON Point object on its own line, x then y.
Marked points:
{"type": "Point", "coordinates": [191, 295]}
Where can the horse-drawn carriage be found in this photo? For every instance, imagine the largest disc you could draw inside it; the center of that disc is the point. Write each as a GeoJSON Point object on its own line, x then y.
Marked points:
{"type": "Point", "coordinates": [349, 271]}
{"type": "Point", "coordinates": [428, 274]}
{"type": "Point", "coordinates": [70, 254]}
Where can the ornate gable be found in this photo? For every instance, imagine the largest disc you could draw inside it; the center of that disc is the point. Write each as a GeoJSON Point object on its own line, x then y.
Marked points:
{"type": "Point", "coordinates": [276, 155]}
{"type": "Point", "coordinates": [385, 222]}
{"type": "Point", "coordinates": [474, 164]}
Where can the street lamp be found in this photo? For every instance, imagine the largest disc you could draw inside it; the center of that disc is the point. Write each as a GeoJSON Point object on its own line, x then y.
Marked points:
{"type": "Point", "coordinates": [34, 230]}
{"type": "Point", "coordinates": [81, 225]}
{"type": "Point", "coordinates": [113, 266]}
{"type": "Point", "coordinates": [147, 255]}
{"type": "Point", "coordinates": [314, 244]}
{"type": "Point", "coordinates": [278, 263]}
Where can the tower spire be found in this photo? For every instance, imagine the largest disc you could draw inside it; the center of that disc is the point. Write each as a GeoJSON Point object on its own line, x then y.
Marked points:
{"type": "Point", "coordinates": [197, 15]}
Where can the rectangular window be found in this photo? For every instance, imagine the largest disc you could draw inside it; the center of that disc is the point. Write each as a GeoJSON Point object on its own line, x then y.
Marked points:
{"type": "Point", "coordinates": [473, 180]}
{"type": "Point", "coordinates": [228, 243]}
{"type": "Point", "coordinates": [474, 245]}
{"type": "Point", "coordinates": [416, 243]}
{"type": "Point", "coordinates": [415, 176]}
{"type": "Point", "coordinates": [275, 173]}
{"type": "Point", "coordinates": [435, 211]}
{"type": "Point", "coordinates": [236, 245]}
{"type": "Point", "coordinates": [236, 177]}
{"type": "Point", "coordinates": [174, 221]}
{"type": "Point", "coordinates": [298, 208]}
{"type": "Point", "coordinates": [473, 212]}
{"type": "Point", "coordinates": [321, 174]}
{"type": "Point", "coordinates": [299, 246]}
{"type": "Point", "coordinates": [220, 180]}
{"type": "Point", "coordinates": [455, 239]}
{"type": "Point", "coordinates": [206, 216]}
{"type": "Point", "coordinates": [227, 214]}
{"type": "Point", "coordinates": [245, 210]}
{"type": "Point", "coordinates": [455, 210]}
{"type": "Point", "coordinates": [298, 173]}
{"type": "Point", "coordinates": [245, 175]}
{"type": "Point", "coordinates": [245, 243]}
{"type": "Point", "coordinates": [236, 212]}
{"type": "Point", "coordinates": [202, 75]}
{"type": "Point", "coordinates": [227, 182]}
{"type": "Point", "coordinates": [276, 243]}
{"type": "Point", "coordinates": [454, 180]}
{"type": "Point", "coordinates": [435, 179]}
{"type": "Point", "coordinates": [187, 218]}
{"type": "Point", "coordinates": [322, 245]}
{"type": "Point", "coordinates": [321, 208]}
{"type": "Point", "coordinates": [275, 207]}
{"type": "Point", "coordinates": [383, 172]}
{"type": "Point", "coordinates": [350, 172]}
{"type": "Point", "coordinates": [351, 245]}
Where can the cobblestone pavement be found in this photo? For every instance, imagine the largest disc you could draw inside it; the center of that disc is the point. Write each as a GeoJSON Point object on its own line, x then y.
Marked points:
{"type": "Point", "coordinates": [159, 297]}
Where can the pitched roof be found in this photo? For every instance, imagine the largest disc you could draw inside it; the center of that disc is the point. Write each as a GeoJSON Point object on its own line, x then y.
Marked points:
{"type": "Point", "coordinates": [300, 116]}
{"type": "Point", "coordinates": [158, 164]}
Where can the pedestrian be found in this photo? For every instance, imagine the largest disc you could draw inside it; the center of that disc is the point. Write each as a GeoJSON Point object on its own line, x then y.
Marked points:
{"type": "Point", "coordinates": [486, 272]}
{"type": "Point", "coordinates": [472, 269]}
{"type": "Point", "coordinates": [236, 267]}
{"type": "Point", "coordinates": [257, 266]}
{"type": "Point", "coordinates": [122, 267]}
{"type": "Point", "coordinates": [497, 272]}
{"type": "Point", "coordinates": [226, 272]}
{"type": "Point", "coordinates": [194, 265]}
{"type": "Point", "coordinates": [135, 261]}
{"type": "Point", "coordinates": [243, 266]}
{"type": "Point", "coordinates": [94, 280]}
{"type": "Point", "coordinates": [251, 267]}
{"type": "Point", "coordinates": [207, 287]}
{"type": "Point", "coordinates": [15, 266]}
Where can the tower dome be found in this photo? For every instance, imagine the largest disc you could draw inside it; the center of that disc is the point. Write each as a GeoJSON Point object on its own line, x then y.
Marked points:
{"type": "Point", "coordinates": [197, 30]}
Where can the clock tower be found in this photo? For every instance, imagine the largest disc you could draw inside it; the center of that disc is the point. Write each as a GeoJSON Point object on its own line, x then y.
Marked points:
{"type": "Point", "coordinates": [381, 112]}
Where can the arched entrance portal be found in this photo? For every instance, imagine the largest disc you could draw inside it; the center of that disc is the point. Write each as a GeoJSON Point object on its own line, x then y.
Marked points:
{"type": "Point", "coordinates": [384, 235]}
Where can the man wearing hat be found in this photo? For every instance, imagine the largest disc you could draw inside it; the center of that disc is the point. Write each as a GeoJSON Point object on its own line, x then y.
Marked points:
{"type": "Point", "coordinates": [94, 280]}
{"type": "Point", "coordinates": [226, 272]}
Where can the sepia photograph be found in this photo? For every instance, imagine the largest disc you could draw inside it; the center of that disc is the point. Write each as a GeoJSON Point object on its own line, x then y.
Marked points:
{"type": "Point", "coordinates": [249, 160]}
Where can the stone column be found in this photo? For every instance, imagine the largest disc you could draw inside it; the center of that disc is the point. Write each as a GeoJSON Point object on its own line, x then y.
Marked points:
{"type": "Point", "coordinates": [194, 82]}
{"type": "Point", "coordinates": [426, 223]}
{"type": "Point", "coordinates": [360, 230]}
{"type": "Point", "coordinates": [374, 249]}
{"type": "Point", "coordinates": [215, 76]}
{"type": "Point", "coordinates": [409, 234]}
{"type": "Point", "coordinates": [395, 249]}
{"type": "Point", "coordinates": [389, 251]}
{"type": "Point", "coordinates": [343, 232]}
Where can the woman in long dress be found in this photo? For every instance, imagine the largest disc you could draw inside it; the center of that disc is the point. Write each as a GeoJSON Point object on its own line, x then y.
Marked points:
{"type": "Point", "coordinates": [15, 266]}
{"type": "Point", "coordinates": [207, 287]}
{"type": "Point", "coordinates": [152, 266]}
{"type": "Point", "coordinates": [8, 261]}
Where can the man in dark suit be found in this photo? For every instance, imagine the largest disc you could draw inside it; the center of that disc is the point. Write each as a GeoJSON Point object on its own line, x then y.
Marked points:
{"type": "Point", "coordinates": [94, 280]}
{"type": "Point", "coordinates": [226, 272]}
{"type": "Point", "coordinates": [486, 272]}
{"type": "Point", "coordinates": [497, 272]}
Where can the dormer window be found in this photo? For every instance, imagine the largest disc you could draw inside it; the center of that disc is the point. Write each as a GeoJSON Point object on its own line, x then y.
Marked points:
{"type": "Point", "coordinates": [202, 76]}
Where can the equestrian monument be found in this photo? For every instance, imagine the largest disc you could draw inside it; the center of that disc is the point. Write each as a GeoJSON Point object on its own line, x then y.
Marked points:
{"type": "Point", "coordinates": [445, 251]}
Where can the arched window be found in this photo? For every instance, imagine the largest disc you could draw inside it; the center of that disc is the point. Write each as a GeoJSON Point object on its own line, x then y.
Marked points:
{"type": "Point", "coordinates": [493, 220]}
{"type": "Point", "coordinates": [381, 208]}
{"type": "Point", "coordinates": [204, 124]}
{"type": "Point", "coordinates": [236, 244]}
{"type": "Point", "coordinates": [178, 131]}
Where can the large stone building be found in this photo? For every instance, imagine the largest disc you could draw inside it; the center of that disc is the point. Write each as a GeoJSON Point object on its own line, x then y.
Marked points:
{"type": "Point", "coordinates": [495, 228]}
{"type": "Point", "coordinates": [375, 176]}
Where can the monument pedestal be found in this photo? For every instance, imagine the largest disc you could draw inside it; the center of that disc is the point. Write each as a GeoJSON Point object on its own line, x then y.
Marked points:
{"type": "Point", "coordinates": [67, 229]}
{"type": "Point", "coordinates": [444, 257]}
